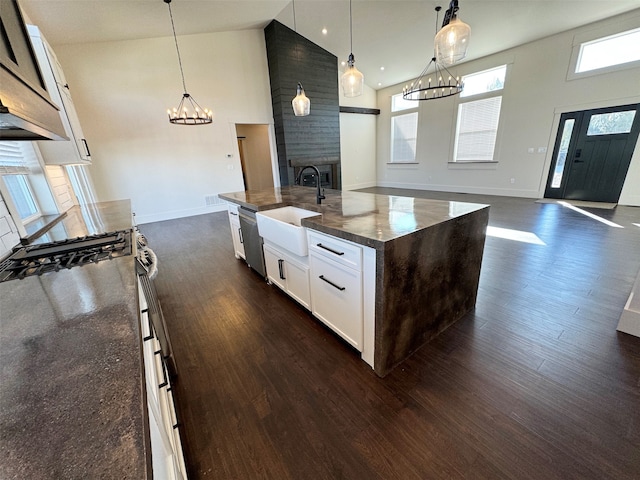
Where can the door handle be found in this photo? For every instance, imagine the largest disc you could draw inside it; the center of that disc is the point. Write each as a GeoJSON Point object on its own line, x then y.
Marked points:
{"type": "Point", "coordinates": [281, 269]}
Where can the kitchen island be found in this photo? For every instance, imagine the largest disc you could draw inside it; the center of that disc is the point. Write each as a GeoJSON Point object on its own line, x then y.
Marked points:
{"type": "Point", "coordinates": [425, 258]}
{"type": "Point", "coordinates": [72, 397]}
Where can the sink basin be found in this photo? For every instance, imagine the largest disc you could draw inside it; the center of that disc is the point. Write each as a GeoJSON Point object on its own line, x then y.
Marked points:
{"type": "Point", "coordinates": [282, 227]}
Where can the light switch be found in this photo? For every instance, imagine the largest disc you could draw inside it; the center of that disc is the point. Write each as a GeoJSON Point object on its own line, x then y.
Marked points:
{"type": "Point", "coordinates": [542, 149]}
{"type": "Point", "coordinates": [531, 150]}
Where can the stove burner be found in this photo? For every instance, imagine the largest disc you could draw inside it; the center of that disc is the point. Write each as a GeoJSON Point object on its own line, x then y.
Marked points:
{"type": "Point", "coordinates": [54, 256]}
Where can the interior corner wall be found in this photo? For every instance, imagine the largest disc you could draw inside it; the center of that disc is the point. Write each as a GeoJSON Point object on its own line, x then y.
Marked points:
{"type": "Point", "coordinates": [536, 92]}
{"type": "Point", "coordinates": [292, 59]}
{"type": "Point", "coordinates": [122, 91]}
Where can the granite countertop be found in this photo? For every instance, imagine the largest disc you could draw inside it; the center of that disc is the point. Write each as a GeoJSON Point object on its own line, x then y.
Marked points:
{"type": "Point", "coordinates": [365, 218]}
{"type": "Point", "coordinates": [72, 401]}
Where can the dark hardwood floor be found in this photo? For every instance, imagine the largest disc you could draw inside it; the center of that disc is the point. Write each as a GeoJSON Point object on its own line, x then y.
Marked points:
{"type": "Point", "coordinates": [534, 384]}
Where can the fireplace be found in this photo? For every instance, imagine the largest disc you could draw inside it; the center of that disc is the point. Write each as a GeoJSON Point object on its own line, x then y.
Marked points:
{"type": "Point", "coordinates": [329, 168]}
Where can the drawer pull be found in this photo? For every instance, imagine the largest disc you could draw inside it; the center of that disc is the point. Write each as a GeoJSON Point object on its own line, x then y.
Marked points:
{"type": "Point", "coordinates": [233, 213]}
{"type": "Point", "coordinates": [330, 249]}
{"type": "Point", "coordinates": [321, 277]}
{"type": "Point", "coordinates": [281, 269]}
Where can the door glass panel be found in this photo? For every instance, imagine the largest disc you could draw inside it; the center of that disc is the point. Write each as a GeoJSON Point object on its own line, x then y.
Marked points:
{"type": "Point", "coordinates": [611, 123]}
{"type": "Point", "coordinates": [562, 153]}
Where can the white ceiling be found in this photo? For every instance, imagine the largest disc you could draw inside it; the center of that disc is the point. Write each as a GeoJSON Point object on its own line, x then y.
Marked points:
{"type": "Point", "coordinates": [394, 34]}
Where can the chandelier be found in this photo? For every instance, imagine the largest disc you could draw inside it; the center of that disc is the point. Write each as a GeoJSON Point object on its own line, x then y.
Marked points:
{"type": "Point", "coordinates": [188, 112]}
{"type": "Point", "coordinates": [450, 46]}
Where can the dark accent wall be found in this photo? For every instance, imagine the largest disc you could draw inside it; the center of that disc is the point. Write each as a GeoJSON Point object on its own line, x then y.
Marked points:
{"type": "Point", "coordinates": [292, 59]}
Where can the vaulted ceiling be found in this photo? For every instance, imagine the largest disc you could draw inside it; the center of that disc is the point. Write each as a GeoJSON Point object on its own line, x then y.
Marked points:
{"type": "Point", "coordinates": [394, 34]}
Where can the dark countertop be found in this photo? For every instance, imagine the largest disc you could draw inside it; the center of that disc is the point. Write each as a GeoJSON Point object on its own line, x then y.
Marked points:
{"type": "Point", "coordinates": [365, 218]}
{"type": "Point", "coordinates": [72, 402]}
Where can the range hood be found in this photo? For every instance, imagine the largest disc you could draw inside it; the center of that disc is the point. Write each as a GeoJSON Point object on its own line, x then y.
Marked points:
{"type": "Point", "coordinates": [26, 111]}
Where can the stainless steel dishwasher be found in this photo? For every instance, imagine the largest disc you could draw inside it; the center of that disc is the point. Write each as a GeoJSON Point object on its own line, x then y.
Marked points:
{"type": "Point", "coordinates": [252, 240]}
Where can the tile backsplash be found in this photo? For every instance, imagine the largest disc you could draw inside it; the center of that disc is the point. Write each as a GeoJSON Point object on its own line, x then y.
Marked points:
{"type": "Point", "coordinates": [9, 236]}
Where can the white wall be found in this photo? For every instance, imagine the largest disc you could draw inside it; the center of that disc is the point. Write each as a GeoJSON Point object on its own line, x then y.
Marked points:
{"type": "Point", "coordinates": [536, 93]}
{"type": "Point", "coordinates": [358, 141]}
{"type": "Point", "coordinates": [122, 91]}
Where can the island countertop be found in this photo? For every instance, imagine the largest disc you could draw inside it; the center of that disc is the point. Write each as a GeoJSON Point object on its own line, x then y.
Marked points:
{"type": "Point", "coordinates": [428, 255]}
{"type": "Point", "coordinates": [72, 401]}
{"type": "Point", "coordinates": [365, 218]}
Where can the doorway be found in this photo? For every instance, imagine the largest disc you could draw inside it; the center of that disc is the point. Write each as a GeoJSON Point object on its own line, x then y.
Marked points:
{"type": "Point", "coordinates": [592, 153]}
{"type": "Point", "coordinates": [254, 148]}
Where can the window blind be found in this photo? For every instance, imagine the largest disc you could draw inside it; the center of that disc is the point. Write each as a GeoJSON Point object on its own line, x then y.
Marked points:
{"type": "Point", "coordinates": [477, 130]}
{"type": "Point", "coordinates": [404, 134]}
{"type": "Point", "coordinates": [13, 159]}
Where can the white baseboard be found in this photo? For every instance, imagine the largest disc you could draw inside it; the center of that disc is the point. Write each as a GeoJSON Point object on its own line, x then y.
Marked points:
{"type": "Point", "coordinates": [503, 192]}
{"type": "Point", "coordinates": [356, 186]}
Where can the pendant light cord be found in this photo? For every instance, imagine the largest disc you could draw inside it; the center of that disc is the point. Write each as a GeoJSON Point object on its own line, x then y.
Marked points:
{"type": "Point", "coordinates": [294, 16]}
{"type": "Point", "coordinates": [175, 39]}
{"type": "Point", "coordinates": [350, 26]}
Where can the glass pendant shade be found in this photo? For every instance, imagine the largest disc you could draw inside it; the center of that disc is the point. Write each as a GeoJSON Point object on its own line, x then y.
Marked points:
{"type": "Point", "coordinates": [352, 80]}
{"type": "Point", "coordinates": [301, 104]}
{"type": "Point", "coordinates": [451, 42]}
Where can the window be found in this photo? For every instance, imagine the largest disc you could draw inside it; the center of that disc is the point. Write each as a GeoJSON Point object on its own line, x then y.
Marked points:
{"type": "Point", "coordinates": [609, 51]}
{"type": "Point", "coordinates": [567, 130]}
{"type": "Point", "coordinates": [16, 160]}
{"type": "Point", "coordinates": [483, 82]}
{"type": "Point", "coordinates": [404, 130]}
{"type": "Point", "coordinates": [611, 123]}
{"type": "Point", "coordinates": [477, 120]}
{"type": "Point", "coordinates": [22, 196]}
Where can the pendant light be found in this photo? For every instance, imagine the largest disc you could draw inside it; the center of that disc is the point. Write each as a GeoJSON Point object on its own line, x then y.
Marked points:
{"type": "Point", "coordinates": [452, 40]}
{"type": "Point", "coordinates": [188, 112]}
{"type": "Point", "coordinates": [434, 84]}
{"type": "Point", "coordinates": [300, 103]}
{"type": "Point", "coordinates": [352, 79]}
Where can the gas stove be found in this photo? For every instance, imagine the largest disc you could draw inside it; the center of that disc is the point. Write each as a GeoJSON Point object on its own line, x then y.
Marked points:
{"type": "Point", "coordinates": [51, 257]}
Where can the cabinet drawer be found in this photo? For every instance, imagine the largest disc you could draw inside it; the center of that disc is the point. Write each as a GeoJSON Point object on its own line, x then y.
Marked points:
{"type": "Point", "coordinates": [341, 251]}
{"type": "Point", "coordinates": [336, 298]}
{"type": "Point", "coordinates": [232, 210]}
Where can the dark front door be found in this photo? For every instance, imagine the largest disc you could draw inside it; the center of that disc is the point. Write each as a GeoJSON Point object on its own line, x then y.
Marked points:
{"type": "Point", "coordinates": [592, 153]}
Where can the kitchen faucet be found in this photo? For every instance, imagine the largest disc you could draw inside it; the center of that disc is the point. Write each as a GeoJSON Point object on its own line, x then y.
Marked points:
{"type": "Point", "coordinates": [319, 195]}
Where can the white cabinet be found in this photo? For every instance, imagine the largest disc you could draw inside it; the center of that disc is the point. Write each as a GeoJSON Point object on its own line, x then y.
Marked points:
{"type": "Point", "coordinates": [75, 151]}
{"type": "Point", "coordinates": [236, 233]}
{"type": "Point", "coordinates": [289, 272]}
{"type": "Point", "coordinates": [166, 447]}
{"type": "Point", "coordinates": [337, 286]}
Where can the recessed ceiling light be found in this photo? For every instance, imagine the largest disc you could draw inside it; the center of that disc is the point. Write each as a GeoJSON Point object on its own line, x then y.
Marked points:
{"type": "Point", "coordinates": [324, 31]}
{"type": "Point", "coordinates": [343, 63]}
{"type": "Point", "coordinates": [379, 84]}
{"type": "Point", "coordinates": [382, 68]}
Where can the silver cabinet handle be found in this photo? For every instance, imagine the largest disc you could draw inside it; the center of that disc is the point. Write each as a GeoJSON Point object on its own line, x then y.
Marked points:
{"type": "Point", "coordinates": [240, 233]}
{"type": "Point", "coordinates": [281, 269]}
{"type": "Point", "coordinates": [321, 277]}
